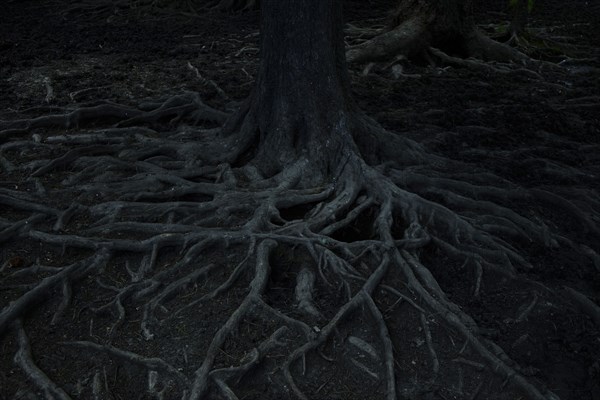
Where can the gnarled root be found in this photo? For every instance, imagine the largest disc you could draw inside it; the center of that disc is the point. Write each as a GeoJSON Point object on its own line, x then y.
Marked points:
{"type": "Point", "coordinates": [416, 30]}
{"type": "Point", "coordinates": [268, 277]}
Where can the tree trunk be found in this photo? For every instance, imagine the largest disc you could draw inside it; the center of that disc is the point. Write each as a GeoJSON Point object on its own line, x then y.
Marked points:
{"type": "Point", "coordinates": [300, 113]}
{"type": "Point", "coordinates": [299, 108]}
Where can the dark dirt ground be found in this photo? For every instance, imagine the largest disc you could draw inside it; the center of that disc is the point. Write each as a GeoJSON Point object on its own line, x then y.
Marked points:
{"type": "Point", "coordinates": [51, 57]}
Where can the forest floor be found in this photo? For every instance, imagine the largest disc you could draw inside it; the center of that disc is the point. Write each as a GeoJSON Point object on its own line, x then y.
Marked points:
{"type": "Point", "coordinates": [53, 57]}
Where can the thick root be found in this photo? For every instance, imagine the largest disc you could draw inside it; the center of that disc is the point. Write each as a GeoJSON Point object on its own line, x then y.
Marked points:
{"type": "Point", "coordinates": [170, 237]}
{"type": "Point", "coordinates": [414, 37]}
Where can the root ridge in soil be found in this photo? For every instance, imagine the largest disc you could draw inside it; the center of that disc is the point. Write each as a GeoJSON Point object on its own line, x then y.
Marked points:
{"type": "Point", "coordinates": [164, 239]}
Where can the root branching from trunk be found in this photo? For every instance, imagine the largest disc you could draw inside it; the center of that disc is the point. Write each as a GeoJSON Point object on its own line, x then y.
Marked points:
{"type": "Point", "coordinates": [235, 277]}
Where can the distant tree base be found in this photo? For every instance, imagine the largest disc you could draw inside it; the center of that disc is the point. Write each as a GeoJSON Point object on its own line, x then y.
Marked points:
{"type": "Point", "coordinates": [427, 29]}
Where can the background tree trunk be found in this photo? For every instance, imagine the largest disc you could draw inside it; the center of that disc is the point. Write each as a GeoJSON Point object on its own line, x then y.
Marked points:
{"type": "Point", "coordinates": [418, 25]}
{"type": "Point", "coordinates": [447, 21]}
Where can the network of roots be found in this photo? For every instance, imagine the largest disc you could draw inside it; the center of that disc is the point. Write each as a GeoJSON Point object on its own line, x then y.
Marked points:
{"type": "Point", "coordinates": [204, 281]}
{"type": "Point", "coordinates": [109, 10]}
{"type": "Point", "coordinates": [164, 274]}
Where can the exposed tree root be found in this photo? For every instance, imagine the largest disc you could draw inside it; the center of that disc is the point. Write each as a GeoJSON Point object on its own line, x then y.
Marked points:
{"type": "Point", "coordinates": [24, 359]}
{"type": "Point", "coordinates": [428, 31]}
{"type": "Point", "coordinates": [108, 9]}
{"type": "Point", "coordinates": [172, 110]}
{"type": "Point", "coordinates": [147, 194]}
{"type": "Point", "coordinates": [587, 305]}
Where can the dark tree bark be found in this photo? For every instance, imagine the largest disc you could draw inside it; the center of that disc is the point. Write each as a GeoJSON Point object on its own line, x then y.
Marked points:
{"type": "Point", "coordinates": [301, 110]}
{"type": "Point", "coordinates": [302, 91]}
{"type": "Point", "coordinates": [419, 25]}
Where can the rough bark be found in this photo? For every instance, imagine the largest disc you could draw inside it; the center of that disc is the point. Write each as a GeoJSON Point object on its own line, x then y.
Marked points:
{"type": "Point", "coordinates": [301, 111]}
{"type": "Point", "coordinates": [301, 98]}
